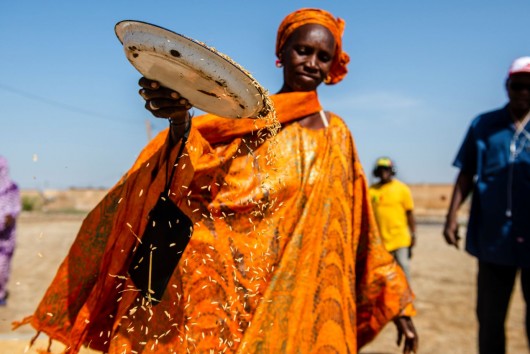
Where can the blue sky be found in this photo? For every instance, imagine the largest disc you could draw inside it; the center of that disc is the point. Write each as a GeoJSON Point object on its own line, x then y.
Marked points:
{"type": "Point", "coordinates": [420, 71]}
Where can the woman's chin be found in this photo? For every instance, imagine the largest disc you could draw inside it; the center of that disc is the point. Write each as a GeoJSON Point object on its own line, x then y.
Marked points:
{"type": "Point", "coordinates": [305, 88]}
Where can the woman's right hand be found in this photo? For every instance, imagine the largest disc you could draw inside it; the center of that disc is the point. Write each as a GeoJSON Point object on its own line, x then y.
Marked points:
{"type": "Point", "coordinates": [166, 103]}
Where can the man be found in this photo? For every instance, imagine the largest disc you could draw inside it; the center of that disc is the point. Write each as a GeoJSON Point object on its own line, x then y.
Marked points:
{"type": "Point", "coordinates": [393, 208]}
{"type": "Point", "coordinates": [494, 162]}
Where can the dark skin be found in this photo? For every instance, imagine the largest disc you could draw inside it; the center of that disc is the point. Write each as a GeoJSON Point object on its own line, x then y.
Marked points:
{"type": "Point", "coordinates": [9, 221]}
{"type": "Point", "coordinates": [166, 103]}
{"type": "Point", "coordinates": [518, 90]}
{"type": "Point", "coordinates": [306, 57]}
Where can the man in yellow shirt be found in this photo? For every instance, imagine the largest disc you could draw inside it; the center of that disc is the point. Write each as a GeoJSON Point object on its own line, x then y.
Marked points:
{"type": "Point", "coordinates": [393, 208]}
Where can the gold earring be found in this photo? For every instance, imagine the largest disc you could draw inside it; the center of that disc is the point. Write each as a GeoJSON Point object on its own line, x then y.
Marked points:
{"type": "Point", "coordinates": [327, 80]}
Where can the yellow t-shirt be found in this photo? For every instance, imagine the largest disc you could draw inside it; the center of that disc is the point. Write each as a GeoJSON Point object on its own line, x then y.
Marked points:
{"type": "Point", "coordinates": [390, 202]}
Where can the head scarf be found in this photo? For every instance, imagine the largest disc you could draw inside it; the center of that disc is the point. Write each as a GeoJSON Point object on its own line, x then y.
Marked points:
{"type": "Point", "coordinates": [320, 17]}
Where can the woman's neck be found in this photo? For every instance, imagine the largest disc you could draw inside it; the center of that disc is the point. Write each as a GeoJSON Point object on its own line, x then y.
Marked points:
{"type": "Point", "coordinates": [285, 89]}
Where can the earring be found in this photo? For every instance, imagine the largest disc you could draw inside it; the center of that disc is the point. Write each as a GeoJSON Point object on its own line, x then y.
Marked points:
{"type": "Point", "coordinates": [278, 63]}
{"type": "Point", "coordinates": [327, 80]}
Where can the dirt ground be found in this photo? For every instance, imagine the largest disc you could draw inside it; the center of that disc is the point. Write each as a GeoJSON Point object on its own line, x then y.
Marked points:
{"type": "Point", "coordinates": [442, 277]}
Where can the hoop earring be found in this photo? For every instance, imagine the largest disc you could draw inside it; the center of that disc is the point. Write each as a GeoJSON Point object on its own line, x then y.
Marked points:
{"type": "Point", "coordinates": [278, 63]}
{"type": "Point", "coordinates": [327, 80]}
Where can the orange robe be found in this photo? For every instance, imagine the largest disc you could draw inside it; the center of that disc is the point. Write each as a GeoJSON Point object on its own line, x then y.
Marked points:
{"type": "Point", "coordinates": [284, 257]}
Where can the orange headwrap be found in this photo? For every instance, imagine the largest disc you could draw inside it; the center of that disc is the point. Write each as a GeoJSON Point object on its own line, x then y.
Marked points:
{"type": "Point", "coordinates": [320, 17]}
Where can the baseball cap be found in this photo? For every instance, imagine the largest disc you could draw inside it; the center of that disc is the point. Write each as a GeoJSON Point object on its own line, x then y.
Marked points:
{"type": "Point", "coordinates": [384, 162]}
{"type": "Point", "coordinates": [520, 65]}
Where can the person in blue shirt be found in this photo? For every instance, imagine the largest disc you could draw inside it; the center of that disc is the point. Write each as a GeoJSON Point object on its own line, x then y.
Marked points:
{"type": "Point", "coordinates": [494, 162]}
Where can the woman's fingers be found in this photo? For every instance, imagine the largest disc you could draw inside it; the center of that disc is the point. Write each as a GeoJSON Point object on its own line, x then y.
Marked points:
{"type": "Point", "coordinates": [148, 84]}
{"type": "Point", "coordinates": [152, 89]}
{"type": "Point", "coordinates": [406, 331]}
{"type": "Point", "coordinates": [168, 108]}
{"type": "Point", "coordinates": [159, 103]}
{"type": "Point", "coordinates": [162, 92]}
{"type": "Point", "coordinates": [171, 112]}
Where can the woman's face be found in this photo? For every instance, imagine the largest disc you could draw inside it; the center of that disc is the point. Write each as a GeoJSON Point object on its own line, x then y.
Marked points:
{"type": "Point", "coordinates": [306, 57]}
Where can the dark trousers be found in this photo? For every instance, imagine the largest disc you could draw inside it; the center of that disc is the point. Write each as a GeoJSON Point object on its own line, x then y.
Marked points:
{"type": "Point", "coordinates": [494, 289]}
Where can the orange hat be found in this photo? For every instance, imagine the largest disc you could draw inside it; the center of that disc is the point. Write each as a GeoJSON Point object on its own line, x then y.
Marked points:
{"type": "Point", "coordinates": [320, 17]}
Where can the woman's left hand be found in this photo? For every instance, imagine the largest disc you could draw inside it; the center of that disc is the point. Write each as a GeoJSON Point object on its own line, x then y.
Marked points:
{"type": "Point", "coordinates": [406, 329]}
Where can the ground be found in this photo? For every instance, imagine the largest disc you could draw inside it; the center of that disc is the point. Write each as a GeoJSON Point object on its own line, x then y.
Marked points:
{"type": "Point", "coordinates": [443, 279]}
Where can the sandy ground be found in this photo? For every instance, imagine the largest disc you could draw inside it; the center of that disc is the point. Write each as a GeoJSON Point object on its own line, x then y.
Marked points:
{"type": "Point", "coordinates": [442, 277]}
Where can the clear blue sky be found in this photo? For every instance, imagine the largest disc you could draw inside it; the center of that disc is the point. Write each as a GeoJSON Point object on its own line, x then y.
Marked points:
{"type": "Point", "coordinates": [420, 71]}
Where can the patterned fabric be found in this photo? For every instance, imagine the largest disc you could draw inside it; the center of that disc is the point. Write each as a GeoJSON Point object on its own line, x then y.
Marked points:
{"type": "Point", "coordinates": [284, 255]}
{"type": "Point", "coordinates": [9, 207]}
{"type": "Point", "coordinates": [320, 17]}
{"type": "Point", "coordinates": [5, 271]}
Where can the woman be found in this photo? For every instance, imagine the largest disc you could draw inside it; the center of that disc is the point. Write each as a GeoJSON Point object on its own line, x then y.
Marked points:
{"type": "Point", "coordinates": [284, 254]}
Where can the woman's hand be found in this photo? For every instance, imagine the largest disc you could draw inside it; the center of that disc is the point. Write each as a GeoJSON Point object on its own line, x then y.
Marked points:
{"type": "Point", "coordinates": [406, 328]}
{"type": "Point", "coordinates": [166, 103]}
{"type": "Point", "coordinates": [161, 101]}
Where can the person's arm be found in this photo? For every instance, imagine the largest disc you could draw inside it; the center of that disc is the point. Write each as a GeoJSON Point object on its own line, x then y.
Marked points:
{"type": "Point", "coordinates": [462, 188]}
{"type": "Point", "coordinates": [411, 222]}
{"type": "Point", "coordinates": [408, 206]}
